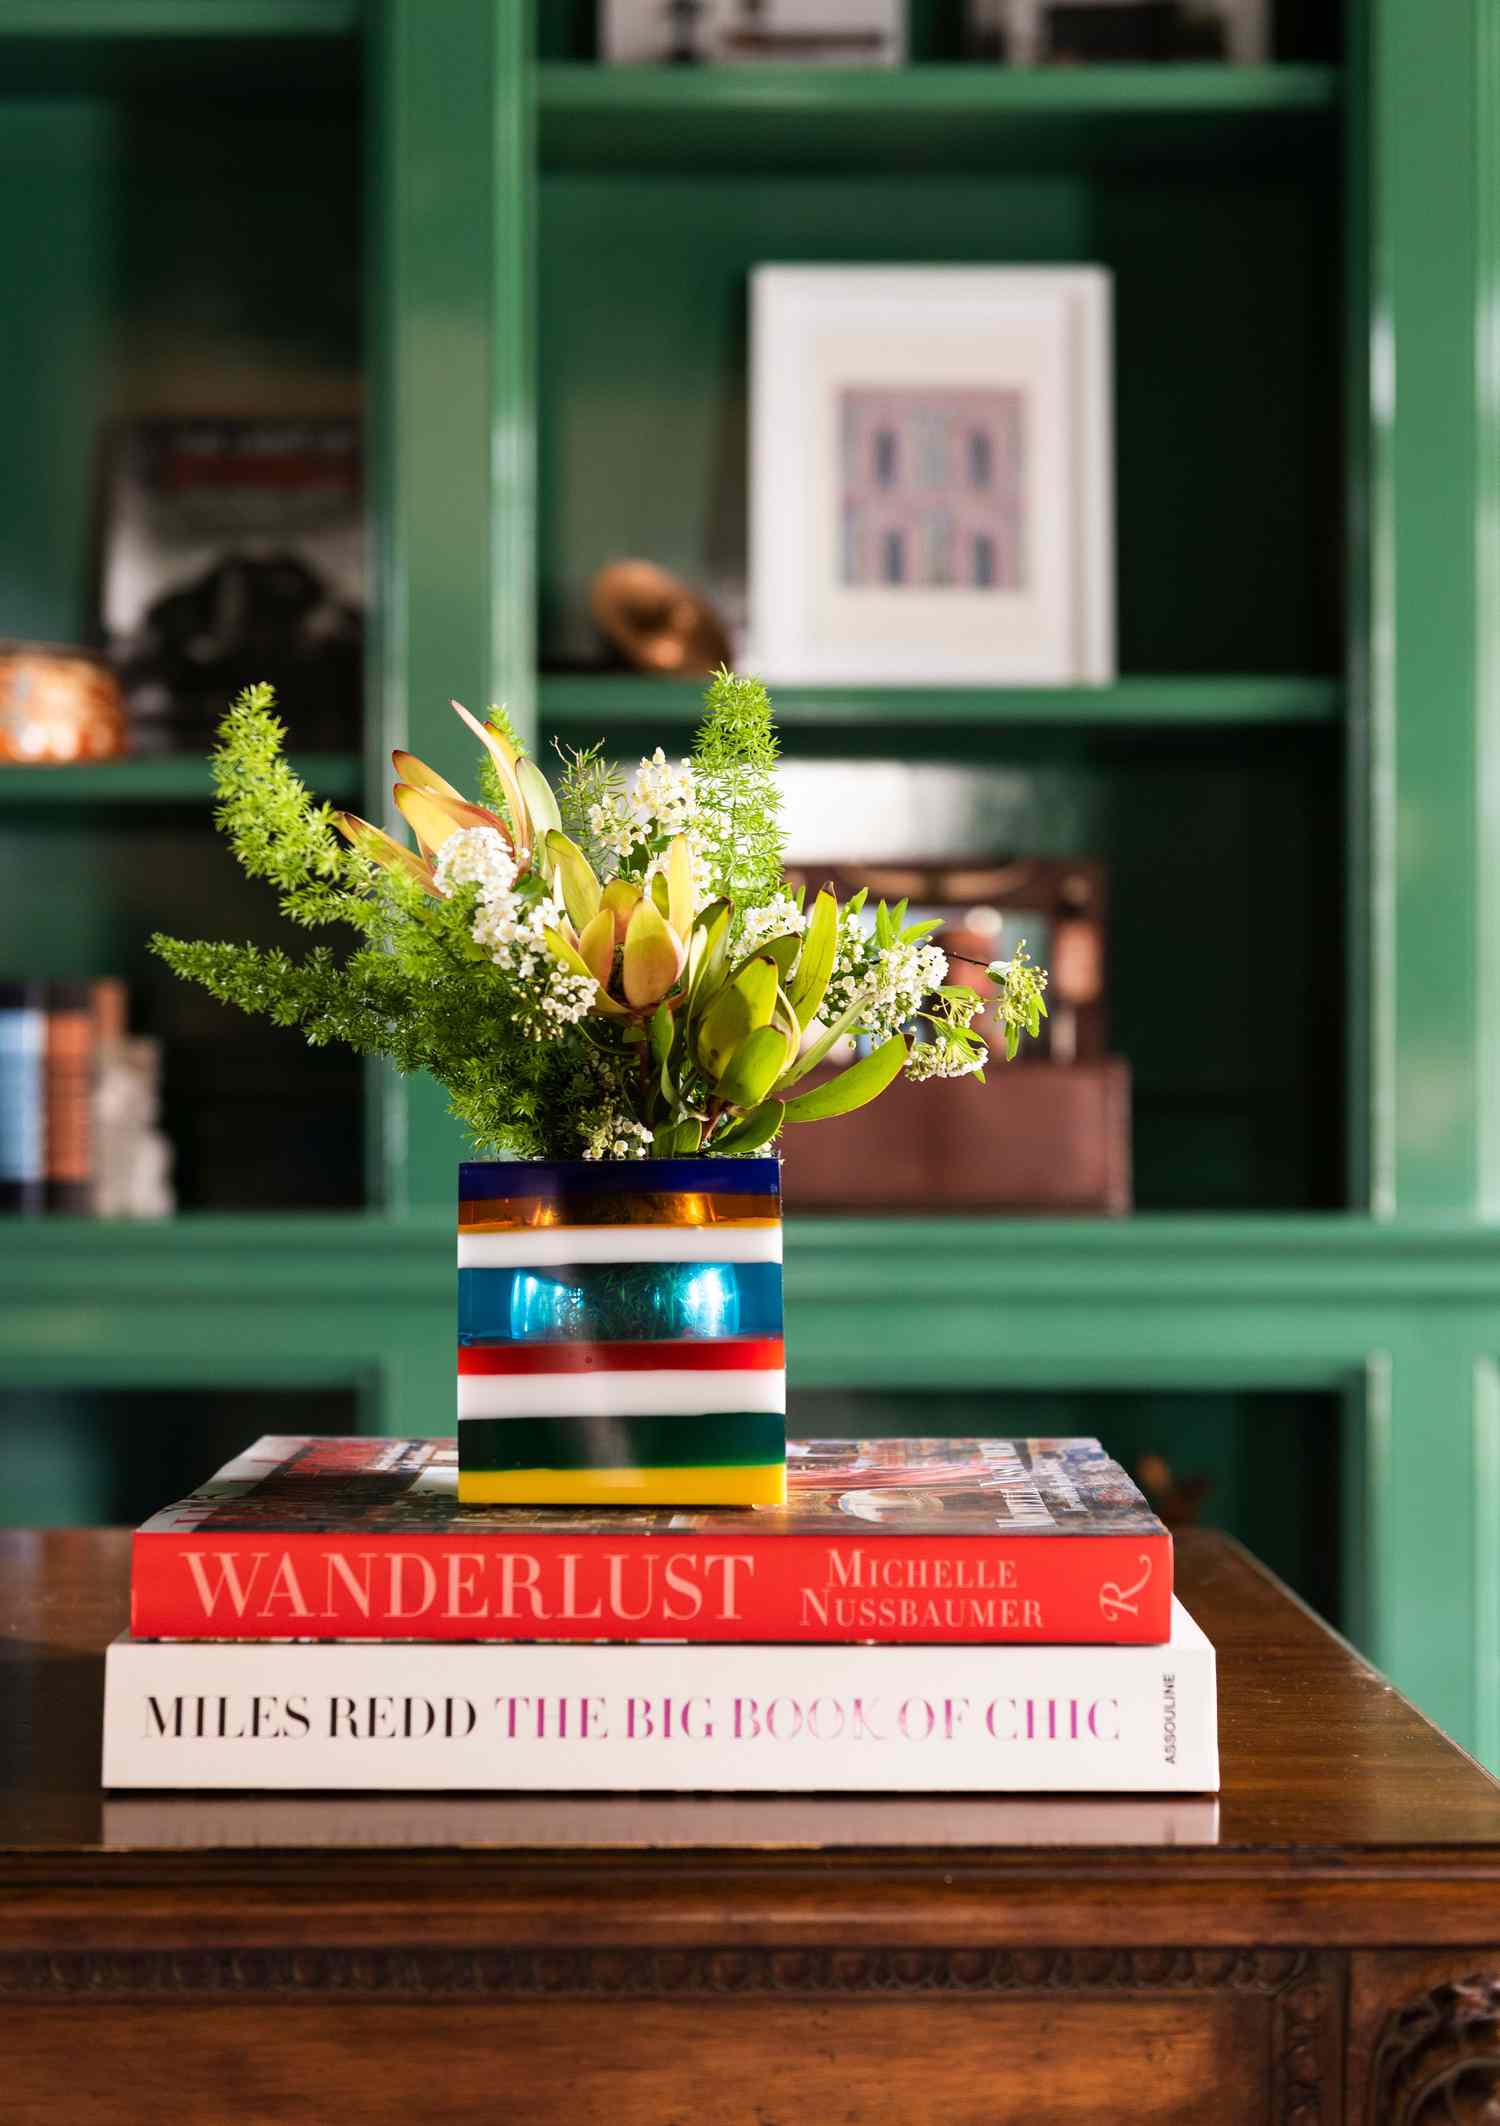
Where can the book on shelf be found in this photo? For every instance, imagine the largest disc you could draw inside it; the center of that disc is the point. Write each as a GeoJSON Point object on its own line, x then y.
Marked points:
{"type": "Point", "coordinates": [943, 1542]}
{"type": "Point", "coordinates": [235, 545]}
{"type": "Point", "coordinates": [402, 1715]}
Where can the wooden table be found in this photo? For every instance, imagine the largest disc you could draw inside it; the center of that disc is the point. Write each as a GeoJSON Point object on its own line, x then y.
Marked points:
{"type": "Point", "coordinates": [1321, 1944]}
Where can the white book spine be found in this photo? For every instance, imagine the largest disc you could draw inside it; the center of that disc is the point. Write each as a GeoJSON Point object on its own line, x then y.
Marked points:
{"type": "Point", "coordinates": [808, 1718]}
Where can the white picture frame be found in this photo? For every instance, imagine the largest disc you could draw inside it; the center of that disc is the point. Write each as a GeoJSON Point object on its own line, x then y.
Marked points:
{"type": "Point", "coordinates": [931, 478]}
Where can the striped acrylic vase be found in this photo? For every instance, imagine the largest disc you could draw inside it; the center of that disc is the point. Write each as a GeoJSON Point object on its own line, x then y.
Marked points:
{"type": "Point", "coordinates": [620, 1333]}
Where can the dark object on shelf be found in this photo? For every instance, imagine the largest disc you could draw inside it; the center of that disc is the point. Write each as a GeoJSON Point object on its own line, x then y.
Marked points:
{"type": "Point", "coordinates": [1093, 34]}
{"type": "Point", "coordinates": [58, 704]}
{"type": "Point", "coordinates": [1051, 1138]}
{"type": "Point", "coordinates": [234, 551]}
{"type": "Point", "coordinates": [1057, 908]}
{"type": "Point", "coordinates": [656, 622]}
{"type": "Point", "coordinates": [1179, 1501]}
{"type": "Point", "coordinates": [1114, 32]}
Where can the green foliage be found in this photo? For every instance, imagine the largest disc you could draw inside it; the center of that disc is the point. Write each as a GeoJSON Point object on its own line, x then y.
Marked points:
{"type": "Point", "coordinates": [734, 766]}
{"type": "Point", "coordinates": [1021, 1002]}
{"type": "Point", "coordinates": [275, 827]}
{"type": "Point", "coordinates": [848, 1089]}
{"type": "Point", "coordinates": [588, 782]}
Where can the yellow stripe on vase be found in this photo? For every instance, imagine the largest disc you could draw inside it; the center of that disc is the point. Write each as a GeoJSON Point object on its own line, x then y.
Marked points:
{"type": "Point", "coordinates": [730, 1486]}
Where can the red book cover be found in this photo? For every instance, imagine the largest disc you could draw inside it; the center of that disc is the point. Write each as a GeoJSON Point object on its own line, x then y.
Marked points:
{"type": "Point", "coordinates": [935, 1541]}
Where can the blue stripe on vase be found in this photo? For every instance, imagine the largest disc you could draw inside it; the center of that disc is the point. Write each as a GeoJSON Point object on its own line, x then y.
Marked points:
{"type": "Point", "coordinates": [577, 1179]}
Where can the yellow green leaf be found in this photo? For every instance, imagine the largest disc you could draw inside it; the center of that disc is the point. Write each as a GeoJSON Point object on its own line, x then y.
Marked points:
{"type": "Point", "coordinates": [751, 1131]}
{"type": "Point", "coordinates": [596, 946]}
{"type": "Point", "coordinates": [809, 984]}
{"type": "Point", "coordinates": [537, 791]}
{"type": "Point", "coordinates": [652, 958]}
{"type": "Point", "coordinates": [375, 843]}
{"type": "Point", "coordinates": [573, 959]}
{"type": "Point", "coordinates": [580, 888]}
{"type": "Point", "coordinates": [753, 1068]}
{"type": "Point", "coordinates": [680, 908]}
{"type": "Point", "coordinates": [853, 1087]}
{"type": "Point", "coordinates": [620, 897]}
{"type": "Point", "coordinates": [434, 818]}
{"type": "Point", "coordinates": [503, 755]}
{"type": "Point", "coordinates": [726, 1023]}
{"type": "Point", "coordinates": [421, 777]}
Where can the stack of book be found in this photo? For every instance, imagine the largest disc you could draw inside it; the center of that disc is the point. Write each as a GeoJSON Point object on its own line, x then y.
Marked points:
{"type": "Point", "coordinates": [79, 1099]}
{"type": "Point", "coordinates": [978, 1616]}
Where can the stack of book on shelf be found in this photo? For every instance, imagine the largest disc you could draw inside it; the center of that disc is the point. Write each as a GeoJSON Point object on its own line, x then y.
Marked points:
{"type": "Point", "coordinates": [979, 1616]}
{"type": "Point", "coordinates": [79, 1099]}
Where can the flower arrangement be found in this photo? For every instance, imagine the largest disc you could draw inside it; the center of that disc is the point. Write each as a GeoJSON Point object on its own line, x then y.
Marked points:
{"type": "Point", "coordinates": [592, 969]}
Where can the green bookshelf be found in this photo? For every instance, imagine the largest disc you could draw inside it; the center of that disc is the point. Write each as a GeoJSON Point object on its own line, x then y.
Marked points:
{"type": "Point", "coordinates": [1289, 782]}
{"type": "Point", "coordinates": [157, 779]}
{"type": "Point", "coordinates": [614, 702]}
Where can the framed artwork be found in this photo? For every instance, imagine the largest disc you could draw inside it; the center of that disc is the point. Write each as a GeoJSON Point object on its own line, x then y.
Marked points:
{"type": "Point", "coordinates": [931, 475]}
{"type": "Point", "coordinates": [740, 32]}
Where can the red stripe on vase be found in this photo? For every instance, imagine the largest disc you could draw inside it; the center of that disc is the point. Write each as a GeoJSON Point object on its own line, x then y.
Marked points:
{"type": "Point", "coordinates": [719, 1354]}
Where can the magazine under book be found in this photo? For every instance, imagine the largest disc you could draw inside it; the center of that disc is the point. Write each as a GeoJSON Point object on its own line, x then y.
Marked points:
{"type": "Point", "coordinates": [915, 1541]}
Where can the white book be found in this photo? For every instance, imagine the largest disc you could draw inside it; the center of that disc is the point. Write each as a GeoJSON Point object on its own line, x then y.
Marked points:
{"type": "Point", "coordinates": [663, 1717]}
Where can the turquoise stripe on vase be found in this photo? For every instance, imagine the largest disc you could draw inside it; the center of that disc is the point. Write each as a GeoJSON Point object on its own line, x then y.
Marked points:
{"type": "Point", "coordinates": [619, 1302]}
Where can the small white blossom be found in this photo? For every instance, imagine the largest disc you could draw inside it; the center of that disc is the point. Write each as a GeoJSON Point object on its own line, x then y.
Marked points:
{"type": "Point", "coordinates": [513, 931]}
{"type": "Point", "coordinates": [476, 856]}
{"type": "Point", "coordinates": [607, 1134]}
{"type": "Point", "coordinates": [662, 803]}
{"type": "Point", "coordinates": [776, 918]}
{"type": "Point", "coordinates": [942, 1059]}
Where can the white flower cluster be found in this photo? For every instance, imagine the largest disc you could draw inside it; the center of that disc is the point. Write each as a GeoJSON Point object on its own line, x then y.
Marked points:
{"type": "Point", "coordinates": [607, 1134]}
{"type": "Point", "coordinates": [513, 931]}
{"type": "Point", "coordinates": [903, 978]}
{"type": "Point", "coordinates": [778, 917]}
{"type": "Point", "coordinates": [662, 802]}
{"type": "Point", "coordinates": [477, 856]}
{"type": "Point", "coordinates": [890, 982]}
{"type": "Point", "coordinates": [942, 1059]}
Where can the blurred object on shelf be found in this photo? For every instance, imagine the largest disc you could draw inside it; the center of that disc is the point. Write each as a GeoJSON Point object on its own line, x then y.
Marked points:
{"type": "Point", "coordinates": [132, 1155]}
{"type": "Point", "coordinates": [58, 704]}
{"type": "Point", "coordinates": [68, 1096]}
{"type": "Point", "coordinates": [1057, 908]}
{"type": "Point", "coordinates": [656, 622]}
{"type": "Point", "coordinates": [739, 32]}
{"type": "Point", "coordinates": [1106, 32]}
{"type": "Point", "coordinates": [1179, 1502]}
{"type": "Point", "coordinates": [1050, 1137]}
{"type": "Point", "coordinates": [23, 1097]}
{"type": "Point", "coordinates": [235, 547]}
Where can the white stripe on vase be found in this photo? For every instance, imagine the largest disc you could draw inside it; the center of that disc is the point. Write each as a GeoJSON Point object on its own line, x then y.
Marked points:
{"type": "Point", "coordinates": [545, 1247]}
{"type": "Point", "coordinates": [601, 1394]}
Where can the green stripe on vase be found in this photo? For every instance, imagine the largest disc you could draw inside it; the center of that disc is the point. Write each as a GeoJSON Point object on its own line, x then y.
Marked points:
{"type": "Point", "coordinates": [748, 1438]}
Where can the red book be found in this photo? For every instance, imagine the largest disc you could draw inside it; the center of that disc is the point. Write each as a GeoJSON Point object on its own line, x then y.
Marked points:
{"type": "Point", "coordinates": [911, 1541]}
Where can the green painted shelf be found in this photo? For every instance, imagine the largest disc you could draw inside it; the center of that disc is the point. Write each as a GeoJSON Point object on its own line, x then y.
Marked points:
{"type": "Point", "coordinates": [80, 20]}
{"type": "Point", "coordinates": [159, 779]}
{"type": "Point", "coordinates": [616, 701]}
{"type": "Point", "coordinates": [976, 116]}
{"type": "Point", "coordinates": [1309, 1303]}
